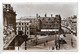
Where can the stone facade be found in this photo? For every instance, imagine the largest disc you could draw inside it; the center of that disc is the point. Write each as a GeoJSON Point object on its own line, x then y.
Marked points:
{"type": "Point", "coordinates": [52, 24]}
{"type": "Point", "coordinates": [38, 23]}
{"type": "Point", "coordinates": [9, 26]}
{"type": "Point", "coordinates": [9, 17]}
{"type": "Point", "coordinates": [24, 26]}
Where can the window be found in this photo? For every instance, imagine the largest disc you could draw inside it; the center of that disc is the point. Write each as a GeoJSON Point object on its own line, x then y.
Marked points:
{"type": "Point", "coordinates": [6, 6]}
{"type": "Point", "coordinates": [22, 28]}
{"type": "Point", "coordinates": [27, 32]}
{"type": "Point", "coordinates": [22, 23]}
{"type": "Point", "coordinates": [27, 28]}
{"type": "Point", "coordinates": [19, 28]}
{"type": "Point", "coordinates": [26, 23]}
{"type": "Point", "coordinates": [19, 23]}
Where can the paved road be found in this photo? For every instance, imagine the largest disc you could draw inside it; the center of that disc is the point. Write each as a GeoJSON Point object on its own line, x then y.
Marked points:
{"type": "Point", "coordinates": [68, 40]}
{"type": "Point", "coordinates": [51, 43]}
{"type": "Point", "coordinates": [40, 41]}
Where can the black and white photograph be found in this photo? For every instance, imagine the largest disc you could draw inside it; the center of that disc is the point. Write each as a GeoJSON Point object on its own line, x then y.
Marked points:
{"type": "Point", "coordinates": [40, 26]}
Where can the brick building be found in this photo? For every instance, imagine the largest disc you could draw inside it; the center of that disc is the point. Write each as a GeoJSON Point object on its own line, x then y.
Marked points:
{"type": "Point", "coordinates": [49, 25]}
{"type": "Point", "coordinates": [38, 24]}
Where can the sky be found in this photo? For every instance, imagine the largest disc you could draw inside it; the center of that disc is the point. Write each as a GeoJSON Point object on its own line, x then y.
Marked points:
{"type": "Point", "coordinates": [31, 9]}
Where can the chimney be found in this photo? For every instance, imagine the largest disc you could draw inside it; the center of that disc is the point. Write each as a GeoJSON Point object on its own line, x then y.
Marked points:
{"type": "Point", "coordinates": [37, 15]}
{"type": "Point", "coordinates": [51, 15]}
{"type": "Point", "coordinates": [45, 15]}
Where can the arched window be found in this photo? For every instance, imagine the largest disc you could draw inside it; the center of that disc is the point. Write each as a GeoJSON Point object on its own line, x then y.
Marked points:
{"type": "Point", "coordinates": [22, 23]}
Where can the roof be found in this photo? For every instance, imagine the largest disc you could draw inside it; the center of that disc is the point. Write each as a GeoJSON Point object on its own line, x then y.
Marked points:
{"type": "Point", "coordinates": [22, 20]}
{"type": "Point", "coordinates": [27, 18]}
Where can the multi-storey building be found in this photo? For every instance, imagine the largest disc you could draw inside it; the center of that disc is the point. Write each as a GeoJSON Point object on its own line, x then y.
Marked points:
{"type": "Point", "coordinates": [9, 17]}
{"type": "Point", "coordinates": [9, 26]}
{"type": "Point", "coordinates": [33, 24]}
{"type": "Point", "coordinates": [24, 26]}
{"type": "Point", "coordinates": [39, 24]}
{"type": "Point", "coordinates": [49, 24]}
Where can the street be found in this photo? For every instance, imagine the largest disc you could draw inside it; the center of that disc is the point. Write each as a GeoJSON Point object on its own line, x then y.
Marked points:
{"type": "Point", "coordinates": [51, 43]}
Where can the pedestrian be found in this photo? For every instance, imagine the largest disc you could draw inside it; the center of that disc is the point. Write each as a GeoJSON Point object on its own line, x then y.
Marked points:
{"type": "Point", "coordinates": [55, 42]}
{"type": "Point", "coordinates": [56, 47]}
{"type": "Point", "coordinates": [44, 44]}
{"type": "Point", "coordinates": [47, 42]}
{"type": "Point", "coordinates": [71, 42]}
{"type": "Point", "coordinates": [52, 48]}
{"type": "Point", "coordinates": [36, 42]}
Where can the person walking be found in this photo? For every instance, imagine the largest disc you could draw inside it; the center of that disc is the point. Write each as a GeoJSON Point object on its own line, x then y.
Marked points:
{"type": "Point", "coordinates": [36, 40]}
{"type": "Point", "coordinates": [44, 44]}
{"type": "Point", "coordinates": [47, 42]}
{"type": "Point", "coordinates": [71, 42]}
{"type": "Point", "coordinates": [56, 47]}
{"type": "Point", "coordinates": [52, 48]}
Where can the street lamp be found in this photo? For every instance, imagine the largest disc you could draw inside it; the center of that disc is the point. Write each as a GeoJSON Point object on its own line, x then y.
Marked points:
{"type": "Point", "coordinates": [18, 37]}
{"type": "Point", "coordinates": [57, 42]}
{"type": "Point", "coordinates": [36, 34]}
{"type": "Point", "coordinates": [25, 38]}
{"type": "Point", "coordinates": [18, 42]}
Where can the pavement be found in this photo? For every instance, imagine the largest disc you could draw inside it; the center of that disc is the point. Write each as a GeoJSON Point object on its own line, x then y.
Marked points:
{"type": "Point", "coordinates": [40, 42]}
{"type": "Point", "coordinates": [68, 40]}
{"type": "Point", "coordinates": [51, 43]}
{"type": "Point", "coordinates": [9, 39]}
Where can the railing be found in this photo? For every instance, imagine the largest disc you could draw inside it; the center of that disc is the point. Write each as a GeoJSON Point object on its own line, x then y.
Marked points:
{"type": "Point", "coordinates": [69, 29]}
{"type": "Point", "coordinates": [8, 39]}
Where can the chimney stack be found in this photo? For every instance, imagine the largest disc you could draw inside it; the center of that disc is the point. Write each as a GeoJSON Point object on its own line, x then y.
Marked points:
{"type": "Point", "coordinates": [37, 15]}
{"type": "Point", "coordinates": [45, 15]}
{"type": "Point", "coordinates": [51, 15]}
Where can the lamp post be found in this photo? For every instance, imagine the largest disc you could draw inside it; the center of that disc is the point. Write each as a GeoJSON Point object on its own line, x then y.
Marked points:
{"type": "Point", "coordinates": [18, 37]}
{"type": "Point", "coordinates": [36, 34]}
{"type": "Point", "coordinates": [25, 38]}
{"type": "Point", "coordinates": [57, 42]}
{"type": "Point", "coordinates": [25, 43]}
